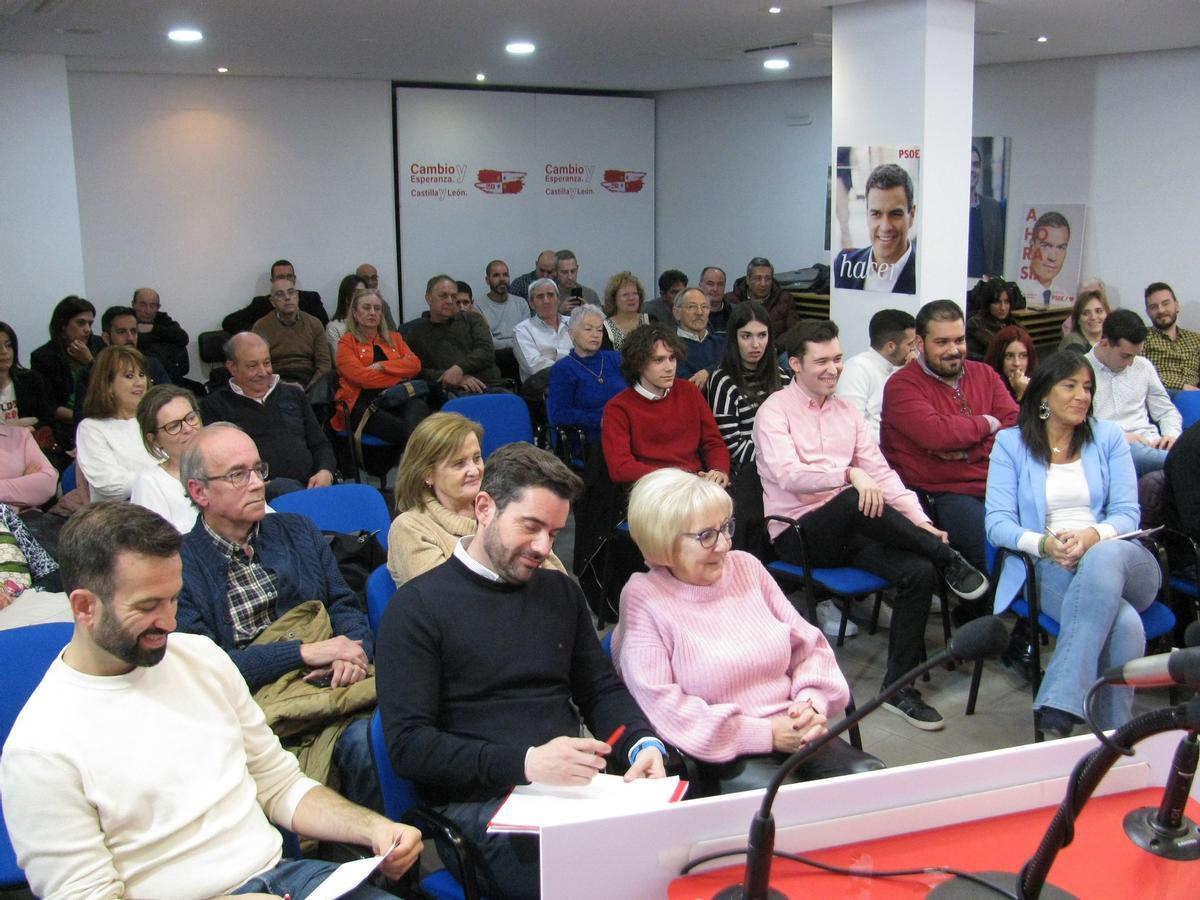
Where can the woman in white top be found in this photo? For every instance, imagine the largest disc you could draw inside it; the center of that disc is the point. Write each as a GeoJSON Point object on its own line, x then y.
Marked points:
{"type": "Point", "coordinates": [109, 446]}
{"type": "Point", "coordinates": [168, 420]}
{"type": "Point", "coordinates": [1061, 486]}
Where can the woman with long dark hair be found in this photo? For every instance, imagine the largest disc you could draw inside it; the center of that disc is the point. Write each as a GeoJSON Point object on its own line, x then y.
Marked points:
{"type": "Point", "coordinates": [70, 350]}
{"type": "Point", "coordinates": [994, 312]}
{"type": "Point", "coordinates": [1061, 487]}
{"type": "Point", "coordinates": [337, 322]}
{"type": "Point", "coordinates": [24, 399]}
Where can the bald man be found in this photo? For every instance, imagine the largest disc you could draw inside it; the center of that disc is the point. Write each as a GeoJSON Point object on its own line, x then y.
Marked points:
{"type": "Point", "coordinates": [545, 266]}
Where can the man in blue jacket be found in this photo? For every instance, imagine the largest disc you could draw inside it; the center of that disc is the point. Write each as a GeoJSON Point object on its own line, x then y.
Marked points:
{"type": "Point", "coordinates": [243, 569]}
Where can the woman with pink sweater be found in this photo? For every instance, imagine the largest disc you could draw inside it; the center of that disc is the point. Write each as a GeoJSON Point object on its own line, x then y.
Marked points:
{"type": "Point", "coordinates": [712, 650]}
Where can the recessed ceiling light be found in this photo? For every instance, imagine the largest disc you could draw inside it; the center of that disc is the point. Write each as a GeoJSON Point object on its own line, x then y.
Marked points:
{"type": "Point", "coordinates": [479, 76]}
{"type": "Point", "coordinates": [185, 35]}
{"type": "Point", "coordinates": [775, 64]}
{"type": "Point", "coordinates": [775, 10]}
{"type": "Point", "coordinates": [221, 70]}
{"type": "Point", "coordinates": [520, 48]}
{"type": "Point", "coordinates": [1042, 39]}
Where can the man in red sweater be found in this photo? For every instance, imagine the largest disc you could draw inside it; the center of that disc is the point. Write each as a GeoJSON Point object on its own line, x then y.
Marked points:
{"type": "Point", "coordinates": [659, 422]}
{"type": "Point", "coordinates": [940, 416]}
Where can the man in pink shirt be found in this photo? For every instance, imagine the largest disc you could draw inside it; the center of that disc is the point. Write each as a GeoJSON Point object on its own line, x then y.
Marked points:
{"type": "Point", "coordinates": [819, 465]}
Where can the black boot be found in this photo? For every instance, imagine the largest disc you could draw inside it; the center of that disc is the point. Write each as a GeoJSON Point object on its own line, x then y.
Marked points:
{"type": "Point", "coordinates": [1018, 655]}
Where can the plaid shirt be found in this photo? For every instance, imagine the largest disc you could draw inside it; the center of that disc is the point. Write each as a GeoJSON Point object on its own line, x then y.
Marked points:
{"type": "Point", "coordinates": [253, 587]}
{"type": "Point", "coordinates": [1177, 361]}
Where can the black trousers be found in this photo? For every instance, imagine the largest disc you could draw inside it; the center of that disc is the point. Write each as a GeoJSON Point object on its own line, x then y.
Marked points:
{"type": "Point", "coordinates": [750, 773]}
{"type": "Point", "coordinates": [393, 426]}
{"type": "Point", "coordinates": [889, 546]}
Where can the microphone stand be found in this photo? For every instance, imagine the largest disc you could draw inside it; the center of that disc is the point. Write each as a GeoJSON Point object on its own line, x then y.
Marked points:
{"type": "Point", "coordinates": [1166, 831]}
{"type": "Point", "coordinates": [761, 843]}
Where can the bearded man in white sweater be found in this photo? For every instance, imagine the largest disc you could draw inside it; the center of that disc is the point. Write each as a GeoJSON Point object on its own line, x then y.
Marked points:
{"type": "Point", "coordinates": [138, 770]}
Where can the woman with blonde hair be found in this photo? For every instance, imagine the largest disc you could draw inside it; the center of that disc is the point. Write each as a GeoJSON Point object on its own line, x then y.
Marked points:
{"type": "Point", "coordinates": [436, 484]}
{"type": "Point", "coordinates": [713, 652]}
{"type": "Point", "coordinates": [168, 419]}
{"type": "Point", "coordinates": [109, 446]}
{"type": "Point", "coordinates": [1086, 319]}
{"type": "Point", "coordinates": [371, 359]}
{"type": "Point", "coordinates": [624, 298]}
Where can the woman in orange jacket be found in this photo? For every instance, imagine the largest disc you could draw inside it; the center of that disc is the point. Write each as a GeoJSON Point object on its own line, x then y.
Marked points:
{"type": "Point", "coordinates": [371, 359]}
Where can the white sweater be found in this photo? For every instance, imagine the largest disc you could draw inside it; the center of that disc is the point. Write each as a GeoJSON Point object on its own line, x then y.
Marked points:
{"type": "Point", "coordinates": [151, 784]}
{"type": "Point", "coordinates": [110, 454]}
{"type": "Point", "coordinates": [162, 493]}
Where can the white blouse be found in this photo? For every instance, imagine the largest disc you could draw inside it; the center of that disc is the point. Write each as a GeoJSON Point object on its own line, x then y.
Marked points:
{"type": "Point", "coordinates": [110, 454]}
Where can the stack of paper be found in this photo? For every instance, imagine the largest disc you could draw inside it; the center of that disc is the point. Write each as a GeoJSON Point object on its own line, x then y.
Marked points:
{"type": "Point", "coordinates": [531, 806]}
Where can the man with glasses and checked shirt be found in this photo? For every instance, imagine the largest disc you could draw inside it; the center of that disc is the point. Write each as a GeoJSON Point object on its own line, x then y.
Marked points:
{"type": "Point", "coordinates": [939, 419]}
{"type": "Point", "coordinates": [243, 570]}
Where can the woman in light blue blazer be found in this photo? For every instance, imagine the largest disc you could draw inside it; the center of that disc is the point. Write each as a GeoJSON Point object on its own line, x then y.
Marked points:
{"type": "Point", "coordinates": [1060, 486]}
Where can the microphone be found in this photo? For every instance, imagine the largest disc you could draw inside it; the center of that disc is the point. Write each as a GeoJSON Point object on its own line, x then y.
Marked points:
{"type": "Point", "coordinates": [982, 638]}
{"type": "Point", "coordinates": [1160, 670]}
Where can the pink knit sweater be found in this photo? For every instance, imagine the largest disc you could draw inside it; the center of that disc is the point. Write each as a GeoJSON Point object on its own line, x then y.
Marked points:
{"type": "Point", "coordinates": [711, 665]}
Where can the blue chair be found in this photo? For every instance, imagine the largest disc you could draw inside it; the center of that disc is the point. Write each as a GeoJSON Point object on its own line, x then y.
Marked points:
{"type": "Point", "coordinates": [1157, 620]}
{"type": "Point", "coordinates": [504, 417]}
{"type": "Point", "coordinates": [25, 655]}
{"type": "Point", "coordinates": [340, 507]}
{"type": "Point", "coordinates": [380, 589]}
{"type": "Point", "coordinates": [1188, 404]}
{"type": "Point", "coordinates": [401, 803]}
{"type": "Point", "coordinates": [67, 479]}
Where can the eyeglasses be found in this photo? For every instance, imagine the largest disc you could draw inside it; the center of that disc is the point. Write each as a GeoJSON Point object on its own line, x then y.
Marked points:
{"type": "Point", "coordinates": [192, 420]}
{"type": "Point", "coordinates": [709, 536]}
{"type": "Point", "coordinates": [240, 478]}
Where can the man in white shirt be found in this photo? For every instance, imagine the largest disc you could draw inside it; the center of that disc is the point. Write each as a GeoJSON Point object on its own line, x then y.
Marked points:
{"type": "Point", "coordinates": [893, 339]}
{"type": "Point", "coordinates": [137, 772]}
{"type": "Point", "coordinates": [540, 342]}
{"type": "Point", "coordinates": [1129, 392]}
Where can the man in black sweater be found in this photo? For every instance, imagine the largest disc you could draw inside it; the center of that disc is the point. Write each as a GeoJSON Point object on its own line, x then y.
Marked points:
{"type": "Point", "coordinates": [482, 663]}
{"type": "Point", "coordinates": [276, 414]}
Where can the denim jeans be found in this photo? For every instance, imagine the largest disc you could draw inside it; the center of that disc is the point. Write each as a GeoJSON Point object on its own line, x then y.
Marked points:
{"type": "Point", "coordinates": [355, 765]}
{"type": "Point", "coordinates": [508, 866]}
{"type": "Point", "coordinates": [1147, 459]}
{"type": "Point", "coordinates": [300, 877]}
{"type": "Point", "coordinates": [1097, 609]}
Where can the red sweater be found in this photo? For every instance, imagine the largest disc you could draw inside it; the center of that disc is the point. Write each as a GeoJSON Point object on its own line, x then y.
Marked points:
{"type": "Point", "coordinates": [922, 416]}
{"type": "Point", "coordinates": [641, 436]}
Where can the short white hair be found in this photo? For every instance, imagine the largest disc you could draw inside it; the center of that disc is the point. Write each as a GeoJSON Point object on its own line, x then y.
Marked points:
{"type": "Point", "coordinates": [579, 313]}
{"type": "Point", "coordinates": [664, 503]}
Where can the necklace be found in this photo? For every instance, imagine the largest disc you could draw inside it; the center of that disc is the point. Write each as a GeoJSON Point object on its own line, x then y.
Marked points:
{"type": "Point", "coordinates": [599, 378]}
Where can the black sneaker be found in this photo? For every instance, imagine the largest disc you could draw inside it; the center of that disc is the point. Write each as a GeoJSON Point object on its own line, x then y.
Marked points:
{"type": "Point", "coordinates": [963, 578]}
{"type": "Point", "coordinates": [1055, 723]}
{"type": "Point", "coordinates": [909, 706]}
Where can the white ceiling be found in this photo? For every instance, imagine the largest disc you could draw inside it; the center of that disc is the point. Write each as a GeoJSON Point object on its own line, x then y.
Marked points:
{"type": "Point", "coordinates": [634, 45]}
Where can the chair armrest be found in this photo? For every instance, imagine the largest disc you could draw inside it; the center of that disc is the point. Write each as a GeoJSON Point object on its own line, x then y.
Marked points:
{"type": "Point", "coordinates": [428, 819]}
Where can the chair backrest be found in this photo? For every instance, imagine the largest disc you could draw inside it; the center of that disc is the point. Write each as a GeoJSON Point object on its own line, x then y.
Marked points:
{"type": "Point", "coordinates": [68, 479]}
{"type": "Point", "coordinates": [1188, 404]}
{"type": "Point", "coordinates": [380, 589]}
{"type": "Point", "coordinates": [399, 794]}
{"type": "Point", "coordinates": [340, 507]}
{"type": "Point", "coordinates": [504, 417]}
{"type": "Point", "coordinates": [25, 655]}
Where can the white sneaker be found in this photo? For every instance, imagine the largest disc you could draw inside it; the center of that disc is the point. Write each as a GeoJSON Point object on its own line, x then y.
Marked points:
{"type": "Point", "coordinates": [829, 618]}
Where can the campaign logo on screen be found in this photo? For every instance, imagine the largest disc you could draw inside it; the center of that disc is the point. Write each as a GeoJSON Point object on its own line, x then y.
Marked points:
{"type": "Point", "coordinates": [496, 181]}
{"type": "Point", "coordinates": [621, 182]}
{"type": "Point", "coordinates": [436, 173]}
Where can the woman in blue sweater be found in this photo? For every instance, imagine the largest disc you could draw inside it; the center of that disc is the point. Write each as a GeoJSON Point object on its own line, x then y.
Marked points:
{"type": "Point", "coordinates": [587, 378]}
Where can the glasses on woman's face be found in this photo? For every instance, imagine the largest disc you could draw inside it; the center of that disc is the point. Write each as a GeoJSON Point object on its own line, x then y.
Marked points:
{"type": "Point", "coordinates": [192, 420]}
{"type": "Point", "coordinates": [709, 536]}
{"type": "Point", "coordinates": [240, 478]}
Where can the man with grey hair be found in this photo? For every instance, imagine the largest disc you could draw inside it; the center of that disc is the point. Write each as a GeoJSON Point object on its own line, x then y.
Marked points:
{"type": "Point", "coordinates": [759, 284]}
{"type": "Point", "coordinates": [571, 293]}
{"type": "Point", "coordinates": [244, 570]}
{"type": "Point", "coordinates": [159, 335]}
{"type": "Point", "coordinates": [704, 348]}
{"type": "Point", "coordinates": [540, 341]}
{"type": "Point", "coordinates": [299, 348]}
{"type": "Point", "coordinates": [455, 347]}
{"type": "Point", "coordinates": [141, 766]}
{"type": "Point", "coordinates": [277, 415]}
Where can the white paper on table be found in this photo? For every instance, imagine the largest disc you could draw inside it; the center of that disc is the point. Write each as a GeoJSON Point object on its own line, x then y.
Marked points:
{"type": "Point", "coordinates": [529, 807]}
{"type": "Point", "coordinates": [346, 878]}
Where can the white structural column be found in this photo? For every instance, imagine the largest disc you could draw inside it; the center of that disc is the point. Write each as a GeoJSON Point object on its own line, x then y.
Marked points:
{"type": "Point", "coordinates": [903, 75]}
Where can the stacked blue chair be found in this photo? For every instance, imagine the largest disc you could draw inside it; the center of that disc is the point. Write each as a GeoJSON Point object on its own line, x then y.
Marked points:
{"type": "Point", "coordinates": [380, 589]}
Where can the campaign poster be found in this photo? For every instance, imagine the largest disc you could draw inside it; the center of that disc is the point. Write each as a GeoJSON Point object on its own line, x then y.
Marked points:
{"type": "Point", "coordinates": [989, 206]}
{"type": "Point", "coordinates": [1049, 251]}
{"type": "Point", "coordinates": [874, 227]}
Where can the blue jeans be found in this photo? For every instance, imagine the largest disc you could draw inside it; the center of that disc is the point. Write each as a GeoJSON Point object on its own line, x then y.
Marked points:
{"type": "Point", "coordinates": [1097, 609]}
{"type": "Point", "coordinates": [355, 765]}
{"type": "Point", "coordinates": [508, 866]}
{"type": "Point", "coordinates": [300, 877]}
{"type": "Point", "coordinates": [1147, 459]}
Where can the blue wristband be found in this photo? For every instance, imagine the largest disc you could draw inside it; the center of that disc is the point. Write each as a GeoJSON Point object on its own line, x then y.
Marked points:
{"type": "Point", "coordinates": [643, 744]}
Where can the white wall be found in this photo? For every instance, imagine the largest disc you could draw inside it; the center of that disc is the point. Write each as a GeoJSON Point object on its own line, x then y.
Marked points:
{"type": "Point", "coordinates": [40, 256]}
{"type": "Point", "coordinates": [736, 181]}
{"type": "Point", "coordinates": [194, 185]}
{"type": "Point", "coordinates": [1118, 133]}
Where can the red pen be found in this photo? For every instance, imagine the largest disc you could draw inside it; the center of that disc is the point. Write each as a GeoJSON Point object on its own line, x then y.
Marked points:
{"type": "Point", "coordinates": [616, 735]}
